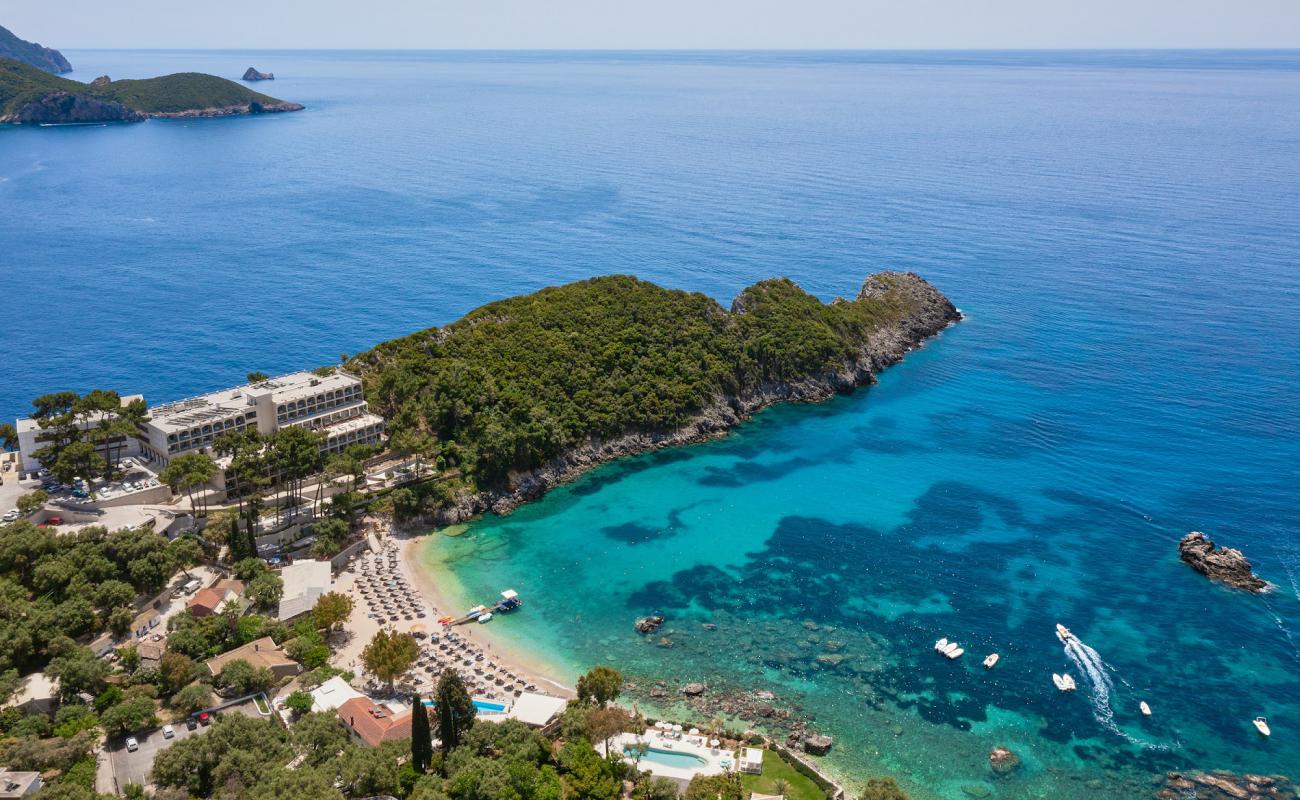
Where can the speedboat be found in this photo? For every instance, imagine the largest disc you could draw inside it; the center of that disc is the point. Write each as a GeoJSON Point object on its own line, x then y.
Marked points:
{"type": "Point", "coordinates": [1063, 633]}
{"type": "Point", "coordinates": [1261, 725]}
{"type": "Point", "coordinates": [1146, 709]}
{"type": "Point", "coordinates": [940, 645]}
{"type": "Point", "coordinates": [1064, 682]}
{"type": "Point", "coordinates": [990, 661]}
{"type": "Point", "coordinates": [485, 616]}
{"type": "Point", "coordinates": [954, 652]}
{"type": "Point", "coordinates": [948, 648]}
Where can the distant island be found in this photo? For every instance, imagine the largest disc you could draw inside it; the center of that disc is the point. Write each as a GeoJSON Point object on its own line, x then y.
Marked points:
{"type": "Point", "coordinates": [32, 53]}
{"type": "Point", "coordinates": [527, 393]}
{"type": "Point", "coordinates": [29, 95]}
{"type": "Point", "coordinates": [251, 74]}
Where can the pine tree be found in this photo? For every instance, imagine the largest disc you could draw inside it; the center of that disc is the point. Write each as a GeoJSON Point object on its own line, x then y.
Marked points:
{"type": "Point", "coordinates": [421, 741]}
{"type": "Point", "coordinates": [455, 710]}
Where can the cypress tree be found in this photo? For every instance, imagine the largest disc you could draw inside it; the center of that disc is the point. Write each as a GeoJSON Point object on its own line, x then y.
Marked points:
{"type": "Point", "coordinates": [421, 743]}
{"type": "Point", "coordinates": [235, 544]}
{"type": "Point", "coordinates": [455, 710]}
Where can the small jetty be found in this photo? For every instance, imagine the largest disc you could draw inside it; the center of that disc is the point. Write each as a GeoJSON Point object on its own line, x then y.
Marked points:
{"type": "Point", "coordinates": [509, 602]}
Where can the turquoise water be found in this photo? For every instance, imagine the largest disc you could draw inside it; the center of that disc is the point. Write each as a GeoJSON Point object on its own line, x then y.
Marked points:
{"type": "Point", "coordinates": [670, 758]}
{"type": "Point", "coordinates": [1120, 228]}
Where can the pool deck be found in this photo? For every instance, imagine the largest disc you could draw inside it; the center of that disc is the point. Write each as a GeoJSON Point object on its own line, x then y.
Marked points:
{"type": "Point", "coordinates": [716, 760]}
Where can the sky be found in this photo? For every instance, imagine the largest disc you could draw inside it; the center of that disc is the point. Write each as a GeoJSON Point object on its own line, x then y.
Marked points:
{"type": "Point", "coordinates": [655, 24]}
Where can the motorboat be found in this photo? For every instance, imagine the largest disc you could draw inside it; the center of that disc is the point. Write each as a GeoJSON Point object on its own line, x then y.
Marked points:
{"type": "Point", "coordinates": [948, 649]}
{"type": "Point", "coordinates": [485, 616]}
{"type": "Point", "coordinates": [990, 661]}
{"type": "Point", "coordinates": [1063, 633]}
{"type": "Point", "coordinates": [1064, 682]}
{"type": "Point", "coordinates": [1146, 709]}
{"type": "Point", "coordinates": [940, 645]}
{"type": "Point", "coordinates": [1261, 725]}
{"type": "Point", "coordinates": [954, 653]}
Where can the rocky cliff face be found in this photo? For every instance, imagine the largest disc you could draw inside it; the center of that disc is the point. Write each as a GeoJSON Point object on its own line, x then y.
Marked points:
{"type": "Point", "coordinates": [1222, 564]}
{"type": "Point", "coordinates": [251, 74]}
{"type": "Point", "coordinates": [63, 108]}
{"type": "Point", "coordinates": [930, 313]}
{"type": "Point", "coordinates": [229, 111]}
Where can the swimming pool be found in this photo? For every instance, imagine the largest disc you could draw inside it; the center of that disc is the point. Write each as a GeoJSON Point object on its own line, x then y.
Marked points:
{"type": "Point", "coordinates": [484, 706]}
{"type": "Point", "coordinates": [669, 758]}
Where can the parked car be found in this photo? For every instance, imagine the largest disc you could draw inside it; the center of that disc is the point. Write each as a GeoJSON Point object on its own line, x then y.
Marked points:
{"type": "Point", "coordinates": [131, 744]}
{"type": "Point", "coordinates": [191, 723]}
{"type": "Point", "coordinates": [54, 521]}
{"type": "Point", "coordinates": [168, 731]}
{"type": "Point", "coordinates": [205, 718]}
{"type": "Point", "coordinates": [11, 515]}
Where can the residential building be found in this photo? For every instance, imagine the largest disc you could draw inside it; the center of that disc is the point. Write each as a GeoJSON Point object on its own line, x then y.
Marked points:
{"type": "Point", "coordinates": [37, 693]}
{"type": "Point", "coordinates": [206, 602]}
{"type": "Point", "coordinates": [372, 723]}
{"type": "Point", "coordinates": [333, 693]}
{"type": "Point", "coordinates": [262, 652]}
{"type": "Point", "coordinates": [304, 582]}
{"type": "Point", "coordinates": [537, 710]}
{"type": "Point", "coordinates": [19, 784]}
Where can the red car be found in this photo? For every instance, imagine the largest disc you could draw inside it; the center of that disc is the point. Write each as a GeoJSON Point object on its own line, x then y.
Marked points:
{"type": "Point", "coordinates": [54, 521]}
{"type": "Point", "coordinates": [205, 718]}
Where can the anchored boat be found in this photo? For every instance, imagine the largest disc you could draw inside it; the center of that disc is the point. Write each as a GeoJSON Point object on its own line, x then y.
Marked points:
{"type": "Point", "coordinates": [990, 661]}
{"type": "Point", "coordinates": [1261, 725]}
{"type": "Point", "coordinates": [1146, 709]}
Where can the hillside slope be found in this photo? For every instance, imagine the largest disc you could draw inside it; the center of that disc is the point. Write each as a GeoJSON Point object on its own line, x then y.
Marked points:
{"type": "Point", "coordinates": [31, 53]}
{"type": "Point", "coordinates": [525, 393]}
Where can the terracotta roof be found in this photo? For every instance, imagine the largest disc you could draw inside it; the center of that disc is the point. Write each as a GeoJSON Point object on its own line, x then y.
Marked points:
{"type": "Point", "coordinates": [262, 652]}
{"type": "Point", "coordinates": [211, 598]}
{"type": "Point", "coordinates": [373, 723]}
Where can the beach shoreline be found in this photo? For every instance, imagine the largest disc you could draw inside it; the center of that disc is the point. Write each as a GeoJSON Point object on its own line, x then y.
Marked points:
{"type": "Point", "coordinates": [411, 544]}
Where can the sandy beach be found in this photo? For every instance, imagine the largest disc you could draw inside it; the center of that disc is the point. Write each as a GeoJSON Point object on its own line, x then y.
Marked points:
{"type": "Point", "coordinates": [461, 646]}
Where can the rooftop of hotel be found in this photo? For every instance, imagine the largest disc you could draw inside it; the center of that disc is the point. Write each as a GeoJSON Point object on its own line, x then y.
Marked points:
{"type": "Point", "coordinates": [221, 404]}
{"type": "Point", "coordinates": [32, 424]}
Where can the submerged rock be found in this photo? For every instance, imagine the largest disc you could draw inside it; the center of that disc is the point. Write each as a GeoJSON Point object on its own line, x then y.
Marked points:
{"type": "Point", "coordinates": [1003, 761]}
{"type": "Point", "coordinates": [649, 624]}
{"type": "Point", "coordinates": [818, 744]}
{"type": "Point", "coordinates": [1223, 564]}
{"type": "Point", "coordinates": [1226, 786]}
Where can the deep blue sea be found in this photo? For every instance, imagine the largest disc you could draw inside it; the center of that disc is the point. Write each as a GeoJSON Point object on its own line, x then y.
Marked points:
{"type": "Point", "coordinates": [1122, 230]}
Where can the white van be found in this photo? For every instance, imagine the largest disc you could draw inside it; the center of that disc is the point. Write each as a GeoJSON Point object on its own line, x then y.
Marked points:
{"type": "Point", "coordinates": [192, 585]}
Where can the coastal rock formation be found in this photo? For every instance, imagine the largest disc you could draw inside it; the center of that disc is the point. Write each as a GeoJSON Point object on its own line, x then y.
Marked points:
{"type": "Point", "coordinates": [649, 624]}
{"type": "Point", "coordinates": [32, 53]}
{"type": "Point", "coordinates": [694, 689]}
{"type": "Point", "coordinates": [1223, 564]}
{"type": "Point", "coordinates": [1003, 761]}
{"type": "Point", "coordinates": [251, 74]}
{"type": "Point", "coordinates": [924, 313]}
{"type": "Point", "coordinates": [817, 744]}
{"type": "Point", "coordinates": [64, 108]}
{"type": "Point", "coordinates": [102, 80]}
{"type": "Point", "coordinates": [1226, 786]}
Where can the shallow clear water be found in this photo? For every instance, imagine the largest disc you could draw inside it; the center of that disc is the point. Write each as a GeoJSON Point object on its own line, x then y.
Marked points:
{"type": "Point", "coordinates": [1120, 228]}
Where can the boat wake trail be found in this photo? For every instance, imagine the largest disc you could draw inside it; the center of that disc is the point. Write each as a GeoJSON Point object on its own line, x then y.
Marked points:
{"type": "Point", "coordinates": [1096, 673]}
{"type": "Point", "coordinates": [1290, 562]}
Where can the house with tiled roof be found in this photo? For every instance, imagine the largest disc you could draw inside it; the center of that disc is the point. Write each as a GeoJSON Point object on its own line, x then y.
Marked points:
{"type": "Point", "coordinates": [206, 602]}
{"type": "Point", "coordinates": [372, 723]}
{"type": "Point", "coordinates": [262, 652]}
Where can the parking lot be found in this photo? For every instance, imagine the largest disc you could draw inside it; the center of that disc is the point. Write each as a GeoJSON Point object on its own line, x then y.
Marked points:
{"type": "Point", "coordinates": [134, 767]}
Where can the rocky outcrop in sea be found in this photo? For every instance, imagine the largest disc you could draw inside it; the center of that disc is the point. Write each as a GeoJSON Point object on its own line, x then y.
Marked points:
{"type": "Point", "coordinates": [1222, 564]}
{"type": "Point", "coordinates": [932, 313]}
{"type": "Point", "coordinates": [251, 74]}
{"type": "Point", "coordinates": [1225, 786]}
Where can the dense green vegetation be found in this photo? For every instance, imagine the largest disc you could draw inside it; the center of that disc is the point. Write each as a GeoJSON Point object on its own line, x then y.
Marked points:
{"type": "Point", "coordinates": [780, 778]}
{"type": "Point", "coordinates": [169, 94]}
{"type": "Point", "coordinates": [54, 586]}
{"type": "Point", "coordinates": [516, 382]}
